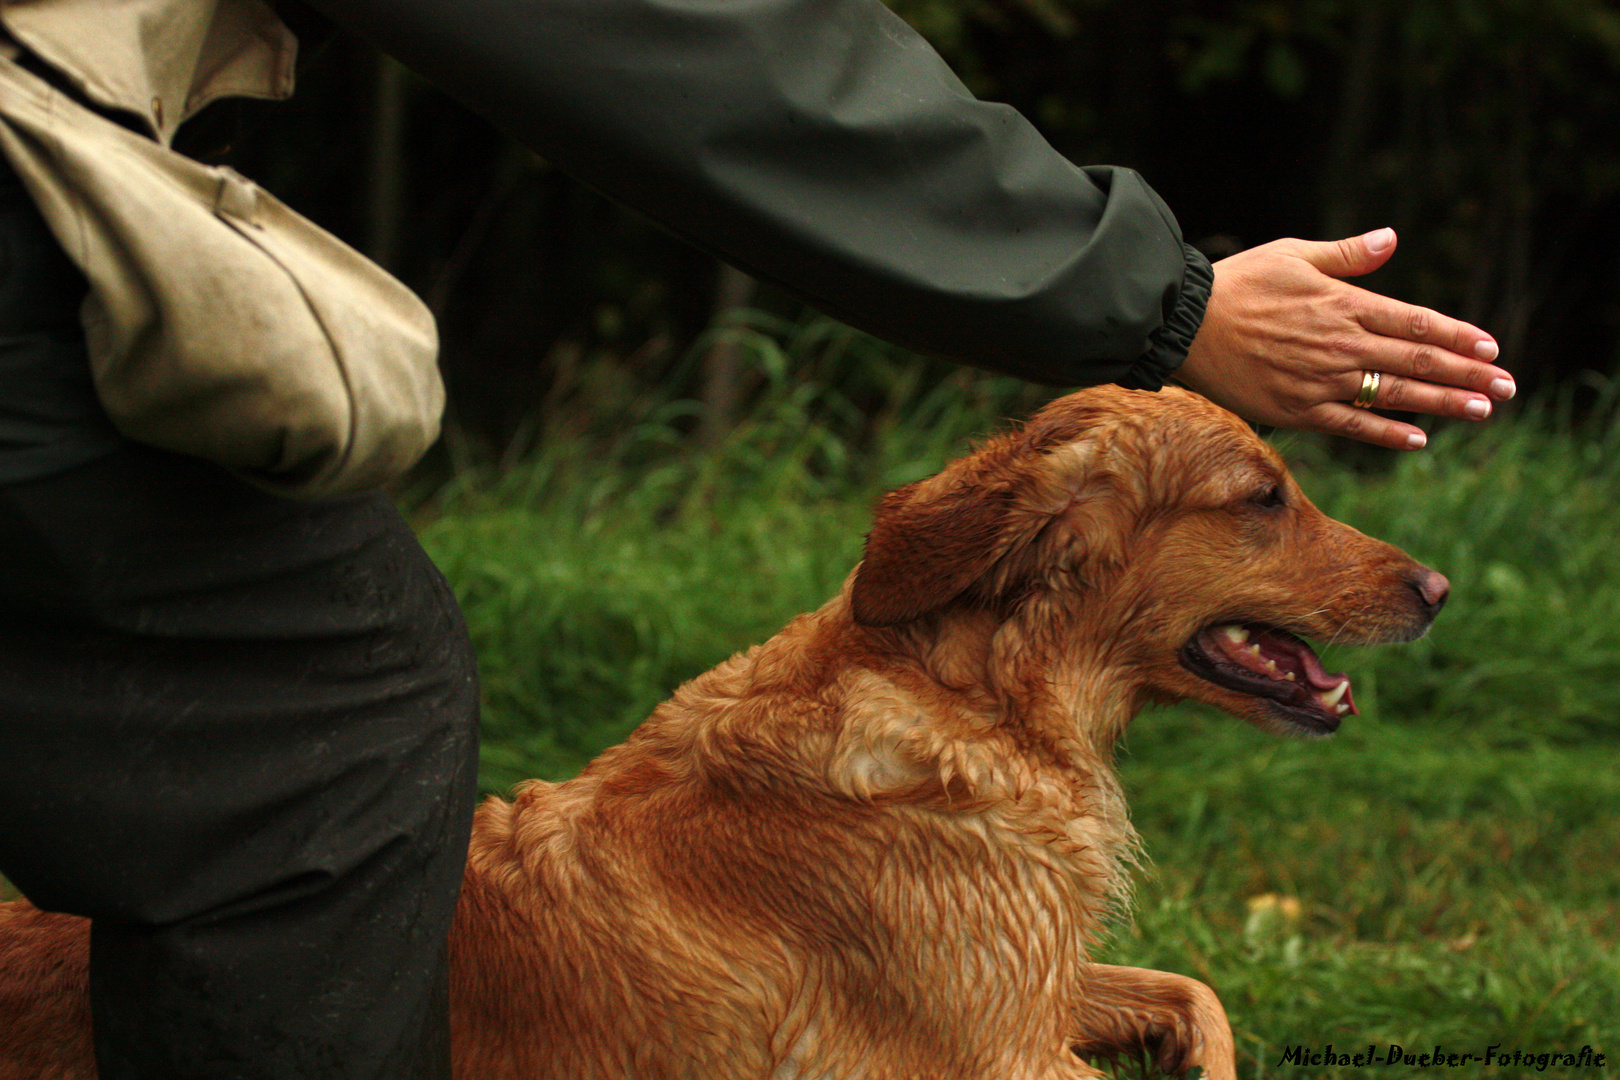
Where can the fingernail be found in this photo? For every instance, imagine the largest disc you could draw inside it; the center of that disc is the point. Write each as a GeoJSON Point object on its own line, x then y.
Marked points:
{"type": "Point", "coordinates": [1416, 441]}
{"type": "Point", "coordinates": [1378, 240]}
{"type": "Point", "coordinates": [1487, 350]}
{"type": "Point", "coordinates": [1478, 408]}
{"type": "Point", "coordinates": [1503, 388]}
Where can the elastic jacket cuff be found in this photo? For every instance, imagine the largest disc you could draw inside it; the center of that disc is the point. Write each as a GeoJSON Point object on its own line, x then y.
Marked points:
{"type": "Point", "coordinates": [1168, 345]}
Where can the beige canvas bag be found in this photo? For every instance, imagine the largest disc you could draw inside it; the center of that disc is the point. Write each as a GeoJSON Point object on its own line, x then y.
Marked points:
{"type": "Point", "coordinates": [219, 322]}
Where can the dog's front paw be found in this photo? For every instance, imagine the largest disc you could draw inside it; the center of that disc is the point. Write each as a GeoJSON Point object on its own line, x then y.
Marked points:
{"type": "Point", "coordinates": [1198, 1042]}
{"type": "Point", "coordinates": [1171, 1023]}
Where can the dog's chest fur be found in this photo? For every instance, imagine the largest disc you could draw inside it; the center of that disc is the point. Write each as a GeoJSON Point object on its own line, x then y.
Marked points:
{"type": "Point", "coordinates": [832, 873]}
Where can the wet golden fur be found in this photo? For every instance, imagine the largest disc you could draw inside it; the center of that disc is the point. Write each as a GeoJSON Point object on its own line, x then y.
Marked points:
{"type": "Point", "coordinates": [879, 845]}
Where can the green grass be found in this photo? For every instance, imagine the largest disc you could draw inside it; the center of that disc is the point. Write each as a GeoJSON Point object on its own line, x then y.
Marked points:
{"type": "Point", "coordinates": [1443, 871]}
{"type": "Point", "coordinates": [1450, 889]}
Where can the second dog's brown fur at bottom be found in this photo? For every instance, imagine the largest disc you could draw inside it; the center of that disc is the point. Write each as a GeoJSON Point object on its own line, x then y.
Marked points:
{"type": "Point", "coordinates": [878, 846]}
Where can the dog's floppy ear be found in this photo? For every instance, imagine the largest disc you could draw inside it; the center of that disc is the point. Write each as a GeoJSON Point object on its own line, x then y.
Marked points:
{"type": "Point", "coordinates": [925, 549]}
{"type": "Point", "coordinates": [972, 527]}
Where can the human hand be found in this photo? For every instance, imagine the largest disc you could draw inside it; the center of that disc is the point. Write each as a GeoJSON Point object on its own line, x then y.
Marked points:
{"type": "Point", "coordinates": [1285, 343]}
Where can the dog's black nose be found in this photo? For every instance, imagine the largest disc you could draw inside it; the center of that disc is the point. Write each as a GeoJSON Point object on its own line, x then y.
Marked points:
{"type": "Point", "coordinates": [1431, 587]}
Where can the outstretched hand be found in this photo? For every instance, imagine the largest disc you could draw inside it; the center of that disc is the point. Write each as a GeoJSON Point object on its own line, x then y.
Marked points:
{"type": "Point", "coordinates": [1285, 342]}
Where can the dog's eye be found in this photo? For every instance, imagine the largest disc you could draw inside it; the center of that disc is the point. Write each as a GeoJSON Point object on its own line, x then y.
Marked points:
{"type": "Point", "coordinates": [1269, 497]}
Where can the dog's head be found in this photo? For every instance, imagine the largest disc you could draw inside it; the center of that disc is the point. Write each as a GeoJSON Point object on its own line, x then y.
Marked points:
{"type": "Point", "coordinates": [1158, 537]}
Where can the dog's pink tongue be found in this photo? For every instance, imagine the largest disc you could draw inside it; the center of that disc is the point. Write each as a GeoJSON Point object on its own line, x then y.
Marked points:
{"type": "Point", "coordinates": [1322, 679]}
{"type": "Point", "coordinates": [1316, 675]}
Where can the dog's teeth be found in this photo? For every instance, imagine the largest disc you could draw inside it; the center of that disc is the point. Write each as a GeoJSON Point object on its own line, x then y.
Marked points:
{"type": "Point", "coordinates": [1235, 634]}
{"type": "Point", "coordinates": [1330, 698]}
{"type": "Point", "coordinates": [1271, 666]}
{"type": "Point", "coordinates": [1255, 649]}
{"type": "Point", "coordinates": [1341, 708]}
{"type": "Point", "coordinates": [1289, 675]}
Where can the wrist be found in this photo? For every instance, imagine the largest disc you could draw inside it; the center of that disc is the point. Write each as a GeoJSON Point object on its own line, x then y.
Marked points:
{"type": "Point", "coordinates": [1170, 344]}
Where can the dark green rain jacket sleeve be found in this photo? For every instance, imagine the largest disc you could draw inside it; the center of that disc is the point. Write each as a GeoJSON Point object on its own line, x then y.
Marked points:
{"type": "Point", "coordinates": [824, 146]}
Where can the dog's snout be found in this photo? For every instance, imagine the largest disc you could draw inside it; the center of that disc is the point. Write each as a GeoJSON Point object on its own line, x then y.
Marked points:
{"type": "Point", "coordinates": [1432, 588]}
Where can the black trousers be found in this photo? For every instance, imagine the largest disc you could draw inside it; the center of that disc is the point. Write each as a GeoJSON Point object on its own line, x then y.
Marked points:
{"type": "Point", "coordinates": [239, 734]}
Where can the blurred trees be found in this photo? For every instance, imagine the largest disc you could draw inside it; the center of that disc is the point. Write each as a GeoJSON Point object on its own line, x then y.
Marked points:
{"type": "Point", "coordinates": [1486, 131]}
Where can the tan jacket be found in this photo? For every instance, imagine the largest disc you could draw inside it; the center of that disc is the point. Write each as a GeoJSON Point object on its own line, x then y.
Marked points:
{"type": "Point", "coordinates": [189, 52]}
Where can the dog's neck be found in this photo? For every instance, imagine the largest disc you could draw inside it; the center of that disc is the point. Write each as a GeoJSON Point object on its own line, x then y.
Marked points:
{"type": "Point", "coordinates": [1068, 700]}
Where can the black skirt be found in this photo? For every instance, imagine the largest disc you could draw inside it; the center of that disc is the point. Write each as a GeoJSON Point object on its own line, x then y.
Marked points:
{"type": "Point", "coordinates": [238, 732]}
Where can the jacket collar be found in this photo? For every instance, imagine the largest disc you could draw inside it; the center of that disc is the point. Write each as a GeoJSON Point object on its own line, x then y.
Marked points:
{"type": "Point", "coordinates": [161, 61]}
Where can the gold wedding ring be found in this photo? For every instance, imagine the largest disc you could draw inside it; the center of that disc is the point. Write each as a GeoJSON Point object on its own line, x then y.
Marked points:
{"type": "Point", "coordinates": [1369, 389]}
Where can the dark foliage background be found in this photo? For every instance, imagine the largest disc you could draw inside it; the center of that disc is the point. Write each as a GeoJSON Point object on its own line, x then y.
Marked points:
{"type": "Point", "coordinates": [1486, 131]}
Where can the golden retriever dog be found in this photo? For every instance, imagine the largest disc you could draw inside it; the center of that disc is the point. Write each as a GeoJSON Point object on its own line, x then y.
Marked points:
{"type": "Point", "coordinates": [879, 845]}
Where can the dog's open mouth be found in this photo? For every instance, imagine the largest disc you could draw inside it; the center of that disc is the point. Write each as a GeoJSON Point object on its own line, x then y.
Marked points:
{"type": "Point", "coordinates": [1271, 663]}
